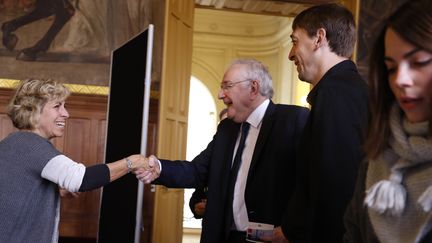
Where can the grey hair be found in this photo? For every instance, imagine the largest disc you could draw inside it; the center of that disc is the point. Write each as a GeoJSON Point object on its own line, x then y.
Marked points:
{"type": "Point", "coordinates": [256, 70]}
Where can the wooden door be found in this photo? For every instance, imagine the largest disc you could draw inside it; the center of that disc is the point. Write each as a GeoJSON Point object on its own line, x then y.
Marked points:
{"type": "Point", "coordinates": [173, 114]}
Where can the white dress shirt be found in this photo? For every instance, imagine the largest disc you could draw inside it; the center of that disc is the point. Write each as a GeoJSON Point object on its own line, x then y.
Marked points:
{"type": "Point", "coordinates": [239, 207]}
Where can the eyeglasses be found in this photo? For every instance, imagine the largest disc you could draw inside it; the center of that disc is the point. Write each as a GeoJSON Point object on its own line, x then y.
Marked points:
{"type": "Point", "coordinates": [226, 85]}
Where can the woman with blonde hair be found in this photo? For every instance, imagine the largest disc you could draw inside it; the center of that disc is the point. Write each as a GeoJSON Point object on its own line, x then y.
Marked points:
{"type": "Point", "coordinates": [32, 170]}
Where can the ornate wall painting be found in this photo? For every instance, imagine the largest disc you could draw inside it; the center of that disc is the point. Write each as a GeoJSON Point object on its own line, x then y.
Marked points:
{"type": "Point", "coordinates": [68, 40]}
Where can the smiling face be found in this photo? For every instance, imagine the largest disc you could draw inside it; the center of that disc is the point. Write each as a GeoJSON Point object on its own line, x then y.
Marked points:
{"type": "Point", "coordinates": [302, 54]}
{"type": "Point", "coordinates": [410, 76]}
{"type": "Point", "coordinates": [236, 93]}
{"type": "Point", "coordinates": [52, 120]}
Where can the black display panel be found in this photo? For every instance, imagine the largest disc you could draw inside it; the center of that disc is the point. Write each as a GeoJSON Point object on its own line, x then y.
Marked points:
{"type": "Point", "coordinates": [118, 210]}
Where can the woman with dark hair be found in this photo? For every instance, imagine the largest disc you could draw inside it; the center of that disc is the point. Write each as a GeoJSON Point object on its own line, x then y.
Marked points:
{"type": "Point", "coordinates": [32, 170]}
{"type": "Point", "coordinates": [393, 198]}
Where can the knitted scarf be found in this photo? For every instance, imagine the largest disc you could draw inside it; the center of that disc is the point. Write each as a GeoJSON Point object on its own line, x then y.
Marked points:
{"type": "Point", "coordinates": [410, 151]}
{"type": "Point", "coordinates": [409, 147]}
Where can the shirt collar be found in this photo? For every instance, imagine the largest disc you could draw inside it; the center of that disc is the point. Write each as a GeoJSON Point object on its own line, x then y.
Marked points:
{"type": "Point", "coordinates": [255, 118]}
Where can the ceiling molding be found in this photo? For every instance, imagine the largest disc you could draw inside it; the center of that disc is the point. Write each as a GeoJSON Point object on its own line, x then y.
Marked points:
{"type": "Point", "coordinates": [267, 7]}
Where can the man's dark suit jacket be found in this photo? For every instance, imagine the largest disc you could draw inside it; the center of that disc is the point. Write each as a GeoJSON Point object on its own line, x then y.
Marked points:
{"type": "Point", "coordinates": [271, 175]}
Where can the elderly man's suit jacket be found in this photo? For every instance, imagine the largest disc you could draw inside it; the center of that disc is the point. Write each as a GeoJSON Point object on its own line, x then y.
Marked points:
{"type": "Point", "coordinates": [271, 175]}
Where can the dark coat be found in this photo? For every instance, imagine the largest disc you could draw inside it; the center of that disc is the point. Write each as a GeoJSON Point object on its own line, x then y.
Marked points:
{"type": "Point", "coordinates": [197, 196]}
{"type": "Point", "coordinates": [271, 176]}
{"type": "Point", "coordinates": [356, 219]}
{"type": "Point", "coordinates": [330, 152]}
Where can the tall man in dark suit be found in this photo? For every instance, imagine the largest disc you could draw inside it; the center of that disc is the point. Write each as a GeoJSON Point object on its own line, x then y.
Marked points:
{"type": "Point", "coordinates": [265, 180]}
{"type": "Point", "coordinates": [331, 146]}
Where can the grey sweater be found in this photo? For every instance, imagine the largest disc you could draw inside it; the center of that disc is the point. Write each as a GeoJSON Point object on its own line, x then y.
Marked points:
{"type": "Point", "coordinates": [28, 205]}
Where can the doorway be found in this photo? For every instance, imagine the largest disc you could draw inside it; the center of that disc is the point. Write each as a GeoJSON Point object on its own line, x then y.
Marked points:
{"type": "Point", "coordinates": [202, 123]}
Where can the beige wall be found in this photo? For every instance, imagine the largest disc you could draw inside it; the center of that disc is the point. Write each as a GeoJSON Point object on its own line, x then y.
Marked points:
{"type": "Point", "coordinates": [221, 36]}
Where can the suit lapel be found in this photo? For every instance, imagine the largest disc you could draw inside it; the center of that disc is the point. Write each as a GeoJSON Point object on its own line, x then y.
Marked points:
{"type": "Point", "coordinates": [266, 126]}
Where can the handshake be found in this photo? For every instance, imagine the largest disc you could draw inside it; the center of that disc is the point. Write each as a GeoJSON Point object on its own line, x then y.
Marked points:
{"type": "Point", "coordinates": [147, 169]}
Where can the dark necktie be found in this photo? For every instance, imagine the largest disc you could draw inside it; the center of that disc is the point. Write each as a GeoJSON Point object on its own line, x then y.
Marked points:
{"type": "Point", "coordinates": [233, 174]}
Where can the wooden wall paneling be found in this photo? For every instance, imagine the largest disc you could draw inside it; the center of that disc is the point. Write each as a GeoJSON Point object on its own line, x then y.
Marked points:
{"type": "Point", "coordinates": [83, 142]}
{"type": "Point", "coordinates": [6, 126]}
{"type": "Point", "coordinates": [80, 215]}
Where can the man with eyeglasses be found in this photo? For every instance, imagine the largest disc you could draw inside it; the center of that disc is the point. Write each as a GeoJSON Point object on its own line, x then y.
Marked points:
{"type": "Point", "coordinates": [249, 166]}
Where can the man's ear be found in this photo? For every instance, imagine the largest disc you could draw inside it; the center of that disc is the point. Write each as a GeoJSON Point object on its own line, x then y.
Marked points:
{"type": "Point", "coordinates": [255, 87]}
{"type": "Point", "coordinates": [321, 37]}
